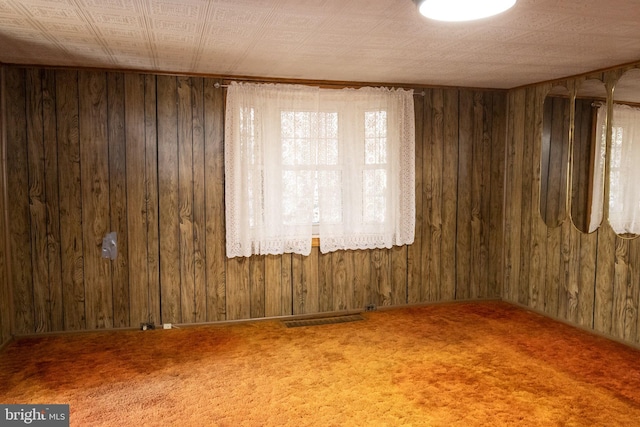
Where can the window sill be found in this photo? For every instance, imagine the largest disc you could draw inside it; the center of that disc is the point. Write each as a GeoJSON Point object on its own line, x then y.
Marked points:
{"type": "Point", "coordinates": [315, 242]}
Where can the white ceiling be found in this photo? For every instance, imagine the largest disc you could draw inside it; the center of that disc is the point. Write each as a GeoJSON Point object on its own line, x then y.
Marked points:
{"type": "Point", "coordinates": [342, 40]}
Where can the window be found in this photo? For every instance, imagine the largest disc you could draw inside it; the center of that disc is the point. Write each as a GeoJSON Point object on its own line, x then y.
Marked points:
{"type": "Point", "coordinates": [300, 161]}
{"type": "Point", "coordinates": [624, 196]}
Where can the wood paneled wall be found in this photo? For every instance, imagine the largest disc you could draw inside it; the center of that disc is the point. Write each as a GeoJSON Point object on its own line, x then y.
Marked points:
{"type": "Point", "coordinates": [5, 295]}
{"type": "Point", "coordinates": [590, 280]}
{"type": "Point", "coordinates": [91, 152]}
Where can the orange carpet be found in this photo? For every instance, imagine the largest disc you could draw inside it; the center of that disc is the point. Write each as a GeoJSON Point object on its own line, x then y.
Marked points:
{"type": "Point", "coordinates": [471, 364]}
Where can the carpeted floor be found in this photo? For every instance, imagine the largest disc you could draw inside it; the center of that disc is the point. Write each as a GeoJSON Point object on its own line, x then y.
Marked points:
{"type": "Point", "coordinates": [471, 364]}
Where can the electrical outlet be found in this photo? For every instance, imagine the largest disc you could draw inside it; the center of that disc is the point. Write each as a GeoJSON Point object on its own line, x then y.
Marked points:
{"type": "Point", "coordinates": [147, 326]}
{"type": "Point", "coordinates": [166, 326]}
{"type": "Point", "coordinates": [370, 307]}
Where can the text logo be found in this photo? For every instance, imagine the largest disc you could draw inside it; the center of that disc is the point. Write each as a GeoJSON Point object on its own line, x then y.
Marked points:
{"type": "Point", "coordinates": [34, 415]}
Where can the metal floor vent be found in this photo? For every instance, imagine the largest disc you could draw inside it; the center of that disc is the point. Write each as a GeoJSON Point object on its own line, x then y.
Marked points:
{"type": "Point", "coordinates": [322, 321]}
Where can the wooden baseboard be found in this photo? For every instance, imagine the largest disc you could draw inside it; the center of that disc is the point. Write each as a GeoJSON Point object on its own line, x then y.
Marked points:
{"type": "Point", "coordinates": [262, 319]}
{"type": "Point", "coordinates": [575, 325]}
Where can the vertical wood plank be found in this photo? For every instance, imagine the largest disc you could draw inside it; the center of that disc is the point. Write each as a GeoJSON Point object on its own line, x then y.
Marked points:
{"type": "Point", "coordinates": [238, 296]}
{"type": "Point", "coordinates": [476, 196]}
{"type": "Point", "coordinates": [361, 278]}
{"type": "Point", "coordinates": [573, 279]}
{"type": "Point", "coordinates": [381, 289]}
{"type": "Point", "coordinates": [566, 294]}
{"type": "Point", "coordinates": [5, 296]}
{"type": "Point", "coordinates": [325, 283]}
{"type": "Point", "coordinates": [449, 184]}
{"type": "Point", "coordinates": [508, 205]}
{"type": "Point", "coordinates": [465, 167]}
{"type": "Point", "coordinates": [538, 264]}
{"type": "Point", "coordinates": [632, 293]}
{"type": "Point", "coordinates": [621, 281]}
{"type": "Point", "coordinates": [634, 257]}
{"type": "Point", "coordinates": [118, 198]}
{"type": "Point", "coordinates": [56, 305]}
{"type": "Point", "coordinates": [272, 286]}
{"type": "Point", "coordinates": [287, 284]}
{"type": "Point", "coordinates": [604, 279]}
{"type": "Point", "coordinates": [151, 184]}
{"type": "Point", "coordinates": [481, 266]}
{"type": "Point", "coordinates": [305, 282]}
{"type": "Point", "coordinates": [514, 191]}
{"type": "Point", "coordinates": [199, 206]}
{"type": "Point", "coordinates": [18, 204]}
{"type": "Point", "coordinates": [497, 205]}
{"type": "Point", "coordinates": [312, 304]}
{"type": "Point", "coordinates": [298, 284]}
{"type": "Point", "coordinates": [587, 278]}
{"type": "Point", "coordinates": [477, 220]}
{"type": "Point", "coordinates": [69, 179]}
{"type": "Point", "coordinates": [37, 201]}
{"type": "Point", "coordinates": [423, 220]}
{"type": "Point", "coordinates": [94, 158]}
{"type": "Point", "coordinates": [350, 276]}
{"type": "Point", "coordinates": [340, 286]}
{"type": "Point", "coordinates": [137, 233]}
{"type": "Point", "coordinates": [415, 260]}
{"type": "Point", "coordinates": [552, 279]}
{"type": "Point", "coordinates": [527, 190]}
{"type": "Point", "coordinates": [215, 263]}
{"type": "Point", "coordinates": [398, 275]}
{"type": "Point", "coordinates": [436, 160]}
{"type": "Point", "coordinates": [185, 200]}
{"type": "Point", "coordinates": [168, 191]}
{"type": "Point", "coordinates": [256, 285]}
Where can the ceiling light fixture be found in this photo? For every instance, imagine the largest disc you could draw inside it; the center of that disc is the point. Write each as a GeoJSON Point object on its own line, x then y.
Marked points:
{"type": "Point", "coordinates": [462, 10]}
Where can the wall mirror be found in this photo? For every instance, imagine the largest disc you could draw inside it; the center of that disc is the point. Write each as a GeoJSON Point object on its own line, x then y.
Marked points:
{"type": "Point", "coordinates": [589, 144]}
{"type": "Point", "coordinates": [554, 156]}
{"type": "Point", "coordinates": [624, 164]}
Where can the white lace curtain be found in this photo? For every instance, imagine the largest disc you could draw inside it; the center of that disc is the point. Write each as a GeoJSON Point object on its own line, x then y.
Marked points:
{"type": "Point", "coordinates": [624, 192]}
{"type": "Point", "coordinates": [299, 157]}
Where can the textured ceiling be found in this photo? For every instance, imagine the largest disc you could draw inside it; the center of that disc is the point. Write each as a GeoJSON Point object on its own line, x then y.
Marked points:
{"type": "Point", "coordinates": [343, 40]}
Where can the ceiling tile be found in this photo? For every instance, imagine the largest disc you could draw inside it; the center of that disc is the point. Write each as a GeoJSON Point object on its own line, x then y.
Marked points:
{"type": "Point", "coordinates": [355, 40]}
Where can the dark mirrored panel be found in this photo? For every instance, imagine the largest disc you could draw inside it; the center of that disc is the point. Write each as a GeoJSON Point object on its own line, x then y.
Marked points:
{"type": "Point", "coordinates": [589, 146]}
{"type": "Point", "coordinates": [554, 156]}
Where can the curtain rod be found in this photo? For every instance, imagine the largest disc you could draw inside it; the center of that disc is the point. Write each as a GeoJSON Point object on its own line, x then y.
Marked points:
{"type": "Point", "coordinates": [218, 85]}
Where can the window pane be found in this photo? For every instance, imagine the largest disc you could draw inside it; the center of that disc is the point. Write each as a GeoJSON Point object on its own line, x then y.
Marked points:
{"type": "Point", "coordinates": [331, 192]}
{"type": "Point", "coordinates": [328, 139]}
{"type": "Point", "coordinates": [298, 142]}
{"type": "Point", "coordinates": [374, 189]}
{"type": "Point", "coordinates": [308, 139]}
{"type": "Point", "coordinates": [287, 124]}
{"type": "Point", "coordinates": [297, 196]}
{"type": "Point", "coordinates": [375, 142]}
